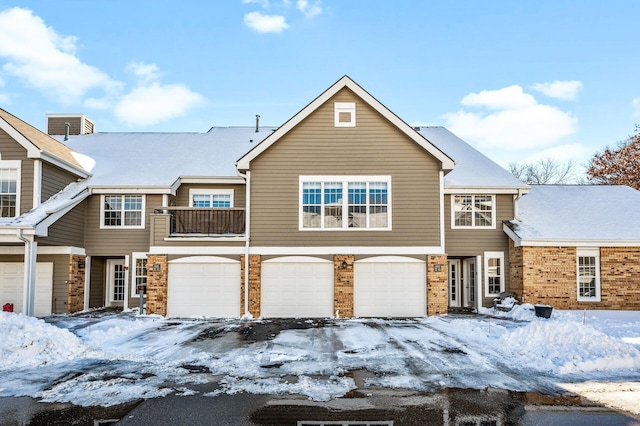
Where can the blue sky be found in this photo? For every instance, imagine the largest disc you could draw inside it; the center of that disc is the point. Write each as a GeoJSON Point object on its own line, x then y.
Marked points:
{"type": "Point", "coordinates": [518, 80]}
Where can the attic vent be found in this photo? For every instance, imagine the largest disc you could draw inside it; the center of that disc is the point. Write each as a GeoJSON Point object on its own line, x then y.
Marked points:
{"type": "Point", "coordinates": [345, 114]}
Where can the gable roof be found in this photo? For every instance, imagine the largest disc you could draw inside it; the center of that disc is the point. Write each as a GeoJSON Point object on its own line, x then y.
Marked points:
{"type": "Point", "coordinates": [577, 215]}
{"type": "Point", "coordinates": [345, 82]}
{"type": "Point", "coordinates": [143, 160]}
{"type": "Point", "coordinates": [39, 144]}
{"type": "Point", "coordinates": [473, 170]}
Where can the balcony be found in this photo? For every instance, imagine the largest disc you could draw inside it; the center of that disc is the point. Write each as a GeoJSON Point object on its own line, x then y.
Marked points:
{"type": "Point", "coordinates": [218, 222]}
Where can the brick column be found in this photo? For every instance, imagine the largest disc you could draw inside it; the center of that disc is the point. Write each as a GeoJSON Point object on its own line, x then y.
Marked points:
{"type": "Point", "coordinates": [343, 286]}
{"type": "Point", "coordinates": [437, 285]}
{"type": "Point", "coordinates": [157, 274]}
{"type": "Point", "coordinates": [254, 284]}
{"type": "Point", "coordinates": [75, 298]}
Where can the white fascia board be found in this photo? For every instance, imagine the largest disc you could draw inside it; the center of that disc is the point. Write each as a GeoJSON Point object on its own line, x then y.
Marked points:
{"type": "Point", "coordinates": [42, 250]}
{"type": "Point", "coordinates": [130, 190]}
{"type": "Point", "coordinates": [198, 250]}
{"type": "Point", "coordinates": [244, 162]}
{"type": "Point", "coordinates": [486, 190]}
{"type": "Point", "coordinates": [225, 180]}
{"type": "Point", "coordinates": [57, 161]}
{"type": "Point", "coordinates": [32, 150]}
{"type": "Point", "coordinates": [412, 250]}
{"type": "Point", "coordinates": [578, 243]}
{"type": "Point", "coordinates": [514, 237]}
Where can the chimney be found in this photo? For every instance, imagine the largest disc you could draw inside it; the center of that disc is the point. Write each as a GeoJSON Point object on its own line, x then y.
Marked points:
{"type": "Point", "coordinates": [257, 123]}
{"type": "Point", "coordinates": [69, 124]}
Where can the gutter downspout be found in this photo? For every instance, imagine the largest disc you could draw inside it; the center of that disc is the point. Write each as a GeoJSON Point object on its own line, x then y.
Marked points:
{"type": "Point", "coordinates": [247, 229]}
{"type": "Point", "coordinates": [28, 296]}
{"type": "Point", "coordinates": [516, 213]}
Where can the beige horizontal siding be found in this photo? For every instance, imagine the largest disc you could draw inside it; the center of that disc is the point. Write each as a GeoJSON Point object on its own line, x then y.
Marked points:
{"type": "Point", "coordinates": [114, 241]}
{"type": "Point", "coordinates": [12, 150]}
{"type": "Point", "coordinates": [54, 179]}
{"type": "Point", "coordinates": [68, 230]}
{"type": "Point", "coordinates": [56, 125]}
{"type": "Point", "coordinates": [373, 147]}
{"type": "Point", "coordinates": [182, 194]}
{"type": "Point", "coordinates": [98, 282]}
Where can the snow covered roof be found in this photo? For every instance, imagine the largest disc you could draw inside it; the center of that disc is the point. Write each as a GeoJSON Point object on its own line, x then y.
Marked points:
{"type": "Point", "coordinates": [580, 214]}
{"type": "Point", "coordinates": [51, 210]}
{"type": "Point", "coordinates": [472, 169]}
{"type": "Point", "coordinates": [158, 159]}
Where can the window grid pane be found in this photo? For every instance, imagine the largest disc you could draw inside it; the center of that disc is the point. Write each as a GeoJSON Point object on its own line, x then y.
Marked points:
{"type": "Point", "coordinates": [357, 204]}
{"type": "Point", "coordinates": [311, 204]}
{"type": "Point", "coordinates": [122, 210]}
{"type": "Point", "coordinates": [473, 210]}
{"type": "Point", "coordinates": [587, 276]}
{"type": "Point", "coordinates": [201, 201]}
{"type": "Point", "coordinates": [140, 274]}
{"type": "Point", "coordinates": [378, 212]}
{"type": "Point", "coordinates": [332, 205]}
{"type": "Point", "coordinates": [494, 275]}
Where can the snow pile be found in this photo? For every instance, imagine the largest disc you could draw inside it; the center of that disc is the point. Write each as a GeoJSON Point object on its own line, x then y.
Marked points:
{"type": "Point", "coordinates": [568, 348]}
{"type": "Point", "coordinates": [524, 312]}
{"type": "Point", "coordinates": [29, 342]}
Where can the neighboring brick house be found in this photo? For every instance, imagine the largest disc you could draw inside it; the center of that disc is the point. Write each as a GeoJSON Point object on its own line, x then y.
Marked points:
{"type": "Point", "coordinates": [577, 247]}
{"type": "Point", "coordinates": [344, 210]}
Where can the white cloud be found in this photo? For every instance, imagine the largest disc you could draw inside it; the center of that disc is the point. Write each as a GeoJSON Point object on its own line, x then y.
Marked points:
{"type": "Point", "coordinates": [309, 10]}
{"type": "Point", "coordinates": [152, 104]}
{"type": "Point", "coordinates": [265, 23]}
{"type": "Point", "coordinates": [566, 90]}
{"type": "Point", "coordinates": [636, 107]}
{"type": "Point", "coordinates": [264, 3]}
{"type": "Point", "coordinates": [511, 97]}
{"type": "Point", "coordinates": [46, 60]}
{"type": "Point", "coordinates": [518, 122]}
{"type": "Point", "coordinates": [563, 153]}
{"type": "Point", "coordinates": [146, 73]}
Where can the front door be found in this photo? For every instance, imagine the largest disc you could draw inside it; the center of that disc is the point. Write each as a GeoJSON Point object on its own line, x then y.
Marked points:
{"type": "Point", "coordinates": [454, 283]}
{"type": "Point", "coordinates": [470, 277]}
{"type": "Point", "coordinates": [116, 282]}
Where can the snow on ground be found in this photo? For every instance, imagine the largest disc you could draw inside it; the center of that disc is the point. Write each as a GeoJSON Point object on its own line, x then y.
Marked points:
{"type": "Point", "coordinates": [108, 359]}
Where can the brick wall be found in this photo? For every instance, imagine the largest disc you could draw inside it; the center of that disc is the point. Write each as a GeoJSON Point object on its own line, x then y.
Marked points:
{"type": "Point", "coordinates": [437, 285]}
{"type": "Point", "coordinates": [343, 286]}
{"type": "Point", "coordinates": [76, 283]}
{"type": "Point", "coordinates": [515, 270]}
{"type": "Point", "coordinates": [157, 284]}
{"type": "Point", "coordinates": [549, 276]}
{"type": "Point", "coordinates": [255, 272]}
{"type": "Point", "coordinates": [620, 278]}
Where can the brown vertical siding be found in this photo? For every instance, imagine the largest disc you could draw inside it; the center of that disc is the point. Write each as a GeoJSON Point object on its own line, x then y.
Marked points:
{"type": "Point", "coordinates": [54, 179]}
{"type": "Point", "coordinates": [373, 147]}
{"type": "Point", "coordinates": [12, 150]}
{"type": "Point", "coordinates": [182, 194]}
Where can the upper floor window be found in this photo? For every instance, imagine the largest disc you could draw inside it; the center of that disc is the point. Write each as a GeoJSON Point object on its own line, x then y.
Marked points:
{"type": "Point", "coordinates": [588, 263]}
{"type": "Point", "coordinates": [8, 192]}
{"type": "Point", "coordinates": [211, 198]}
{"type": "Point", "coordinates": [9, 188]}
{"type": "Point", "coordinates": [344, 114]}
{"type": "Point", "coordinates": [473, 211]}
{"type": "Point", "coordinates": [122, 211]}
{"type": "Point", "coordinates": [345, 202]}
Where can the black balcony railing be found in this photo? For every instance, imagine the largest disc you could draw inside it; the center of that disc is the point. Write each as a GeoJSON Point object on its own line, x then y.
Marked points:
{"type": "Point", "coordinates": [202, 221]}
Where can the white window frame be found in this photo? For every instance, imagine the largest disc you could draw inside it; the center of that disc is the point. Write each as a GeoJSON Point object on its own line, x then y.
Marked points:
{"type": "Point", "coordinates": [473, 211]}
{"type": "Point", "coordinates": [494, 255]}
{"type": "Point", "coordinates": [135, 256]}
{"type": "Point", "coordinates": [17, 166]}
{"type": "Point", "coordinates": [588, 252]}
{"type": "Point", "coordinates": [344, 180]}
{"type": "Point", "coordinates": [210, 192]}
{"type": "Point", "coordinates": [342, 107]}
{"type": "Point", "coordinates": [122, 226]}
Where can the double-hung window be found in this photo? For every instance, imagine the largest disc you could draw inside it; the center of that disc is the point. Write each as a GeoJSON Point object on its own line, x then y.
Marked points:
{"type": "Point", "coordinates": [473, 211]}
{"type": "Point", "coordinates": [122, 211]}
{"type": "Point", "coordinates": [345, 202]}
{"type": "Point", "coordinates": [211, 198]}
{"type": "Point", "coordinates": [493, 273]}
{"type": "Point", "coordinates": [588, 273]}
{"type": "Point", "coordinates": [9, 188]}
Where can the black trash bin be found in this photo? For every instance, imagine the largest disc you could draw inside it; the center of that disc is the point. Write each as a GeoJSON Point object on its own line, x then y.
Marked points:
{"type": "Point", "coordinates": [543, 311]}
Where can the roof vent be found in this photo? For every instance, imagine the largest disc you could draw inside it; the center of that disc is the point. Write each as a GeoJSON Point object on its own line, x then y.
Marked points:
{"type": "Point", "coordinates": [257, 123]}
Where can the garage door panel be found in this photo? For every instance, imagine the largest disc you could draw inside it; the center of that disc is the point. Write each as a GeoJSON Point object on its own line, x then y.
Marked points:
{"type": "Point", "coordinates": [203, 289]}
{"type": "Point", "coordinates": [12, 286]}
{"type": "Point", "coordinates": [290, 289]}
{"type": "Point", "coordinates": [390, 289]}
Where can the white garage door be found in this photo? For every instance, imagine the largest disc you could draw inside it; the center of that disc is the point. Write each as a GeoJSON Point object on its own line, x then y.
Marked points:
{"type": "Point", "coordinates": [390, 286]}
{"type": "Point", "coordinates": [203, 286]}
{"type": "Point", "coordinates": [12, 286]}
{"type": "Point", "coordinates": [295, 287]}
